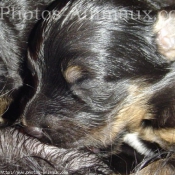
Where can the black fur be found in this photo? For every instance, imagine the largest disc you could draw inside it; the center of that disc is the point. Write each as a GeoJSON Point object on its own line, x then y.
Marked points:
{"type": "Point", "coordinates": [18, 151]}
{"type": "Point", "coordinates": [84, 72]}
{"type": "Point", "coordinates": [83, 61]}
{"type": "Point", "coordinates": [111, 53]}
{"type": "Point", "coordinates": [15, 30]}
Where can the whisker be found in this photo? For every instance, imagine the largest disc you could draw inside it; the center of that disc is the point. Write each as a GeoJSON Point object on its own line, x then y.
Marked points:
{"type": "Point", "coordinates": [47, 136]}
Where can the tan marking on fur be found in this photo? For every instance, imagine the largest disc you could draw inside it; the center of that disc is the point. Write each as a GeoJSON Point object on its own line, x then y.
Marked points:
{"type": "Point", "coordinates": [4, 104]}
{"type": "Point", "coordinates": [168, 135]}
{"type": "Point", "coordinates": [73, 73]}
{"type": "Point", "coordinates": [164, 137]}
{"type": "Point", "coordinates": [134, 110]}
{"type": "Point", "coordinates": [165, 30]}
{"type": "Point", "coordinates": [126, 116]}
{"type": "Point", "coordinates": [131, 116]}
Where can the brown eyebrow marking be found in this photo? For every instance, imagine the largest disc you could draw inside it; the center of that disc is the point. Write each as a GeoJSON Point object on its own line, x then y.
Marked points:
{"type": "Point", "coordinates": [73, 73]}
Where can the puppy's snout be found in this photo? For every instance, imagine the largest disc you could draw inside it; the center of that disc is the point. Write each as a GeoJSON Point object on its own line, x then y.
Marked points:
{"type": "Point", "coordinates": [33, 131]}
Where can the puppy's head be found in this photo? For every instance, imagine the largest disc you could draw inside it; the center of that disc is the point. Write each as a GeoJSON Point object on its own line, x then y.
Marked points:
{"type": "Point", "coordinates": [95, 67]}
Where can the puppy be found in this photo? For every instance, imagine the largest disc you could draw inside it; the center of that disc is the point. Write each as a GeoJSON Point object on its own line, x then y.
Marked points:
{"type": "Point", "coordinates": [103, 75]}
{"type": "Point", "coordinates": [17, 19]}
{"type": "Point", "coordinates": [18, 151]}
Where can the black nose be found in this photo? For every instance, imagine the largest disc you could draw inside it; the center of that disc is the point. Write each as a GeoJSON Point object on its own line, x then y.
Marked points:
{"type": "Point", "coordinates": [33, 131]}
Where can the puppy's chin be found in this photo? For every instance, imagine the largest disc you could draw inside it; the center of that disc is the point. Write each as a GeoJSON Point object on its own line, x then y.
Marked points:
{"type": "Point", "coordinates": [65, 136]}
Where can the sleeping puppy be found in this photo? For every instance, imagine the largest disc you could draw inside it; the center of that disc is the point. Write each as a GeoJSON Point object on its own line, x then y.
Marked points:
{"type": "Point", "coordinates": [19, 152]}
{"type": "Point", "coordinates": [16, 20]}
{"type": "Point", "coordinates": [103, 74]}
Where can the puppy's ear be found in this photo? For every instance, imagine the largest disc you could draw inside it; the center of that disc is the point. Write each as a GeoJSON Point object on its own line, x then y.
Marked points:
{"type": "Point", "coordinates": [165, 30]}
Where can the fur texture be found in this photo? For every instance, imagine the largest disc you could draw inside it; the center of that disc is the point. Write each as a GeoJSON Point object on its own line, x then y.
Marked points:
{"type": "Point", "coordinates": [16, 23]}
{"type": "Point", "coordinates": [39, 158]}
{"type": "Point", "coordinates": [100, 76]}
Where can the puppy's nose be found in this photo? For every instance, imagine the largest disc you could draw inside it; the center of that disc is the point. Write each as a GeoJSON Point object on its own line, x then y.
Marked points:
{"type": "Point", "coordinates": [33, 131]}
